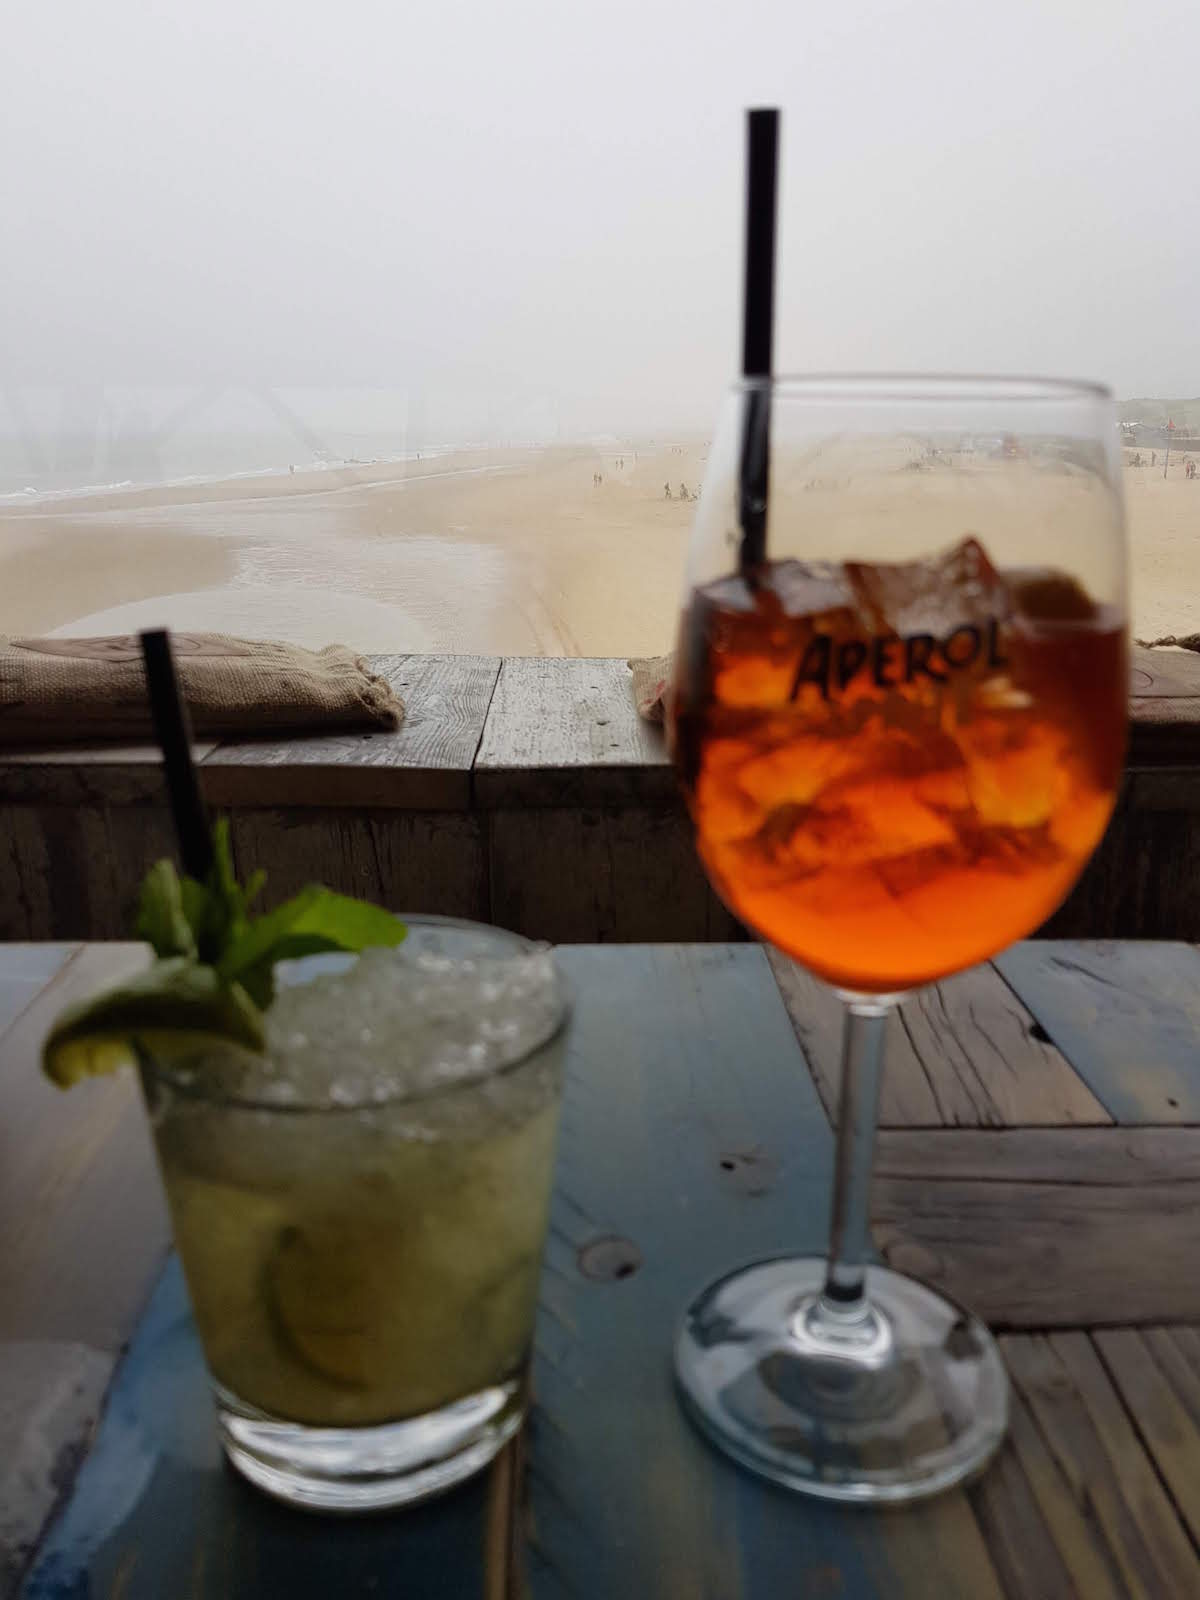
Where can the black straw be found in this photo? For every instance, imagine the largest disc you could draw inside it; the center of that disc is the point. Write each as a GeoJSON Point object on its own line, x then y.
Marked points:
{"type": "Point", "coordinates": [173, 730]}
{"type": "Point", "coordinates": [758, 327]}
{"type": "Point", "coordinates": [758, 305]}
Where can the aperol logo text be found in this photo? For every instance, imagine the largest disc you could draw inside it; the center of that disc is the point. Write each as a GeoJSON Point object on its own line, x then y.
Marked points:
{"type": "Point", "coordinates": [891, 660]}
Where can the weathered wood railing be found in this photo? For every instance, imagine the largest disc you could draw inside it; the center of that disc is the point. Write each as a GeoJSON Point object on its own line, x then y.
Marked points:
{"type": "Point", "coordinates": [525, 792]}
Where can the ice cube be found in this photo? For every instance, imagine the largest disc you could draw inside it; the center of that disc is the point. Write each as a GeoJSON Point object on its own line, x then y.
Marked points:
{"type": "Point", "coordinates": [957, 587]}
{"type": "Point", "coordinates": [1017, 773]}
{"type": "Point", "coordinates": [811, 589]}
{"type": "Point", "coordinates": [1044, 595]}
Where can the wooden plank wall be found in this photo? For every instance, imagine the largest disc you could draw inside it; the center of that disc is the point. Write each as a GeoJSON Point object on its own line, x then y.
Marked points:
{"type": "Point", "coordinates": [526, 792]}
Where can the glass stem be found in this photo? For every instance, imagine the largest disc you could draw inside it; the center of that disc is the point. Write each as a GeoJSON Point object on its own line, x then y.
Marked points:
{"type": "Point", "coordinates": [844, 1296]}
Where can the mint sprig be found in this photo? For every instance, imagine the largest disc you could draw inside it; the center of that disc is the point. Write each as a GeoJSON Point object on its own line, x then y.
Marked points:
{"type": "Point", "coordinates": [215, 973]}
{"type": "Point", "coordinates": [210, 922]}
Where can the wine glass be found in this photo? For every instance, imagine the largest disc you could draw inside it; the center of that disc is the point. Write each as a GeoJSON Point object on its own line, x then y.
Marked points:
{"type": "Point", "coordinates": [899, 715]}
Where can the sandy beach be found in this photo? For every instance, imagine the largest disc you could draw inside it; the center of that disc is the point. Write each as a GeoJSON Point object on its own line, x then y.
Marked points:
{"type": "Point", "coordinates": [560, 551]}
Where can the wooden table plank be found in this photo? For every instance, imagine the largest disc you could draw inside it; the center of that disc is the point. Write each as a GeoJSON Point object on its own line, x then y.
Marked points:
{"type": "Point", "coordinates": [591, 875]}
{"type": "Point", "coordinates": [688, 1130]}
{"type": "Point", "coordinates": [156, 1515]}
{"type": "Point", "coordinates": [1126, 1016]}
{"type": "Point", "coordinates": [424, 765]}
{"type": "Point", "coordinates": [1132, 1526]}
{"type": "Point", "coordinates": [406, 860]}
{"type": "Point", "coordinates": [76, 870]}
{"type": "Point", "coordinates": [1156, 1374]}
{"type": "Point", "coordinates": [1163, 675]}
{"type": "Point", "coordinates": [1016, 1522]}
{"type": "Point", "coordinates": [84, 1232]}
{"type": "Point", "coordinates": [1051, 1228]}
{"type": "Point", "coordinates": [80, 775]}
{"type": "Point", "coordinates": [25, 969]}
{"type": "Point", "coordinates": [1164, 707]}
{"type": "Point", "coordinates": [965, 1052]}
{"type": "Point", "coordinates": [566, 733]}
{"type": "Point", "coordinates": [84, 1219]}
{"type": "Point", "coordinates": [51, 1395]}
{"type": "Point", "coordinates": [1037, 1522]}
{"type": "Point", "coordinates": [657, 1090]}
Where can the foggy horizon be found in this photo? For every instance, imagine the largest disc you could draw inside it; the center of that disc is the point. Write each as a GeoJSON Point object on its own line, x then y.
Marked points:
{"type": "Point", "coordinates": [543, 208]}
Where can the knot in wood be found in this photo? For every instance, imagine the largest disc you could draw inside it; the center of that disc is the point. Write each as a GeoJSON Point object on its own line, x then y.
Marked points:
{"type": "Point", "coordinates": [915, 1260]}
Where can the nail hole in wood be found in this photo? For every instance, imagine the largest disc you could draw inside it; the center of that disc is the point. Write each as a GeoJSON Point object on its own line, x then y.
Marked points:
{"type": "Point", "coordinates": [610, 1257]}
{"type": "Point", "coordinates": [753, 1170]}
{"type": "Point", "coordinates": [1173, 1103]}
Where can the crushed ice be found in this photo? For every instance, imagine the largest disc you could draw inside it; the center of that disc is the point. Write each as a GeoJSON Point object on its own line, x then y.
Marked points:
{"type": "Point", "coordinates": [398, 1023]}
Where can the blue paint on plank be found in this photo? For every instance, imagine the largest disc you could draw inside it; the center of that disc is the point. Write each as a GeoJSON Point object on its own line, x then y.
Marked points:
{"type": "Point", "coordinates": [155, 1514]}
{"type": "Point", "coordinates": [680, 1058]}
{"type": "Point", "coordinates": [1126, 1016]}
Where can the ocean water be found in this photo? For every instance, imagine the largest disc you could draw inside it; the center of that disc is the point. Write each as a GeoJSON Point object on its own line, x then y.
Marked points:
{"type": "Point", "coordinates": [70, 440]}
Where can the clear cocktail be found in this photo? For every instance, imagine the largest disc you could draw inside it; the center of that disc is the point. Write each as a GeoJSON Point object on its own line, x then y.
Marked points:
{"type": "Point", "coordinates": [360, 1211]}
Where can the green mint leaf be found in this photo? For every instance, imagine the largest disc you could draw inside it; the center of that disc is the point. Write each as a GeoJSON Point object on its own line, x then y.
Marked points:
{"type": "Point", "coordinates": [315, 919]}
{"type": "Point", "coordinates": [254, 887]}
{"type": "Point", "coordinates": [162, 918]}
{"type": "Point", "coordinates": [226, 917]}
{"type": "Point", "coordinates": [222, 876]}
{"type": "Point", "coordinates": [195, 905]}
{"type": "Point", "coordinates": [259, 979]}
{"type": "Point", "coordinates": [217, 908]}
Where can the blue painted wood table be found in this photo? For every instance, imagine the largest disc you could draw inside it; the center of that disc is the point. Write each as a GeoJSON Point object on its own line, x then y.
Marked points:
{"type": "Point", "coordinates": [1040, 1158]}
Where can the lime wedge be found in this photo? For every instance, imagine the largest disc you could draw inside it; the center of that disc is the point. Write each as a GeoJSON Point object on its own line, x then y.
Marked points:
{"type": "Point", "coordinates": [166, 1010]}
{"type": "Point", "coordinates": [325, 1288]}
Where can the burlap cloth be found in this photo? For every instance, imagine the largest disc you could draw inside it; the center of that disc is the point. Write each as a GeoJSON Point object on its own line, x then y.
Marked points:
{"type": "Point", "coordinates": [651, 677]}
{"type": "Point", "coordinates": [71, 691]}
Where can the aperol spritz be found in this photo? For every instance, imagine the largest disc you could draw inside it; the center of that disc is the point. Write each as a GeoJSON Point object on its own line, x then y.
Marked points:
{"type": "Point", "coordinates": [896, 770]}
{"type": "Point", "coordinates": [899, 716]}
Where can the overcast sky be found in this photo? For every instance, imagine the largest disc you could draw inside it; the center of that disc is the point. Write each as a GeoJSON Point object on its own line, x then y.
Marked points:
{"type": "Point", "coordinates": [541, 202]}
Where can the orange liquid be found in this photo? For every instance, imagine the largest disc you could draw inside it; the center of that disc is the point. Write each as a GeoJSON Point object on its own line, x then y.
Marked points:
{"type": "Point", "coordinates": [889, 803]}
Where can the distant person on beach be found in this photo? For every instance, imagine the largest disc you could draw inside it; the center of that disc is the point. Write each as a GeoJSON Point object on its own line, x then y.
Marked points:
{"type": "Point", "coordinates": [667, 490]}
{"type": "Point", "coordinates": [1154, 458]}
{"type": "Point", "coordinates": [683, 492]}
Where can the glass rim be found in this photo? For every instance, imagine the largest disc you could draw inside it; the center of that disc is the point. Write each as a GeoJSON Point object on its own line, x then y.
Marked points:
{"type": "Point", "coordinates": [203, 1093]}
{"type": "Point", "coordinates": [936, 387]}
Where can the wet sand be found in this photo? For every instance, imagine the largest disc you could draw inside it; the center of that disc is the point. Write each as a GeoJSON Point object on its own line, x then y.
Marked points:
{"type": "Point", "coordinates": [514, 552]}
{"type": "Point", "coordinates": [1164, 538]}
{"type": "Point", "coordinates": [497, 552]}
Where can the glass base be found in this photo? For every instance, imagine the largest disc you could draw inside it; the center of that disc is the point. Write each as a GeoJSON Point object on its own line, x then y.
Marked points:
{"type": "Point", "coordinates": [369, 1469]}
{"type": "Point", "coordinates": [893, 1405]}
